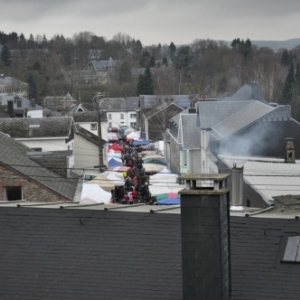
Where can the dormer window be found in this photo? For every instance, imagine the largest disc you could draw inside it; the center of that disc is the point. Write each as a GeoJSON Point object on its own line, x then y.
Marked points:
{"type": "Point", "coordinates": [292, 250]}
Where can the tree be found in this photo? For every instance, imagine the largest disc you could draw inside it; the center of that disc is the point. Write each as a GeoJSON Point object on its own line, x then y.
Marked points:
{"type": "Point", "coordinates": [145, 83]}
{"type": "Point", "coordinates": [295, 103]}
{"type": "Point", "coordinates": [287, 92]}
{"type": "Point", "coordinates": [32, 90]}
{"type": "Point", "coordinates": [124, 72]}
{"type": "Point", "coordinates": [172, 49]}
{"type": "Point", "coordinates": [6, 56]}
{"type": "Point", "coordinates": [286, 58]}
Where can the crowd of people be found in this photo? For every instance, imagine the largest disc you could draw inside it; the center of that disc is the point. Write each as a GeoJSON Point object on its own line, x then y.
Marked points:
{"type": "Point", "coordinates": [136, 188]}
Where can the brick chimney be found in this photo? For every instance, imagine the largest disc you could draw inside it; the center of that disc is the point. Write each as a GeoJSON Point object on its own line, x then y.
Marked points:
{"type": "Point", "coordinates": [289, 151]}
{"type": "Point", "coordinates": [205, 237]}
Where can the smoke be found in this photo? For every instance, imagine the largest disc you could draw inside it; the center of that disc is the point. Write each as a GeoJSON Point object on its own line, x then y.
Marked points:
{"type": "Point", "coordinates": [263, 139]}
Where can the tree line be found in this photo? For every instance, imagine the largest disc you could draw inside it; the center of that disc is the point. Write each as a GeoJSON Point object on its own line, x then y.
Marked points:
{"type": "Point", "coordinates": [204, 67]}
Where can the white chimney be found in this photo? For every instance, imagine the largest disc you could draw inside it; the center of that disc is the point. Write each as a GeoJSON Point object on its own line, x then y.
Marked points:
{"type": "Point", "coordinates": [237, 190]}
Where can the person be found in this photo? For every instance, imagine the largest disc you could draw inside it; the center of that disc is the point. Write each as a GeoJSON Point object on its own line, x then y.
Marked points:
{"type": "Point", "coordinates": [130, 197]}
{"type": "Point", "coordinates": [135, 194]}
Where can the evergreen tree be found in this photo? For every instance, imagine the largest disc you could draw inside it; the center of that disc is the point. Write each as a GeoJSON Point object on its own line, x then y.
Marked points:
{"type": "Point", "coordinates": [172, 49]}
{"type": "Point", "coordinates": [288, 86]}
{"type": "Point", "coordinates": [148, 82]}
{"type": "Point", "coordinates": [140, 85]}
{"type": "Point", "coordinates": [295, 103]}
{"type": "Point", "coordinates": [32, 90]}
{"type": "Point", "coordinates": [151, 63]}
{"type": "Point", "coordinates": [286, 58]}
{"type": "Point", "coordinates": [6, 56]}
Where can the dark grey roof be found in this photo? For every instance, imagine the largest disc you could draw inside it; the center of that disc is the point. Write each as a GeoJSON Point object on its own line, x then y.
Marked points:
{"type": "Point", "coordinates": [74, 108]}
{"type": "Point", "coordinates": [214, 112]}
{"type": "Point", "coordinates": [88, 135]}
{"type": "Point", "coordinates": [87, 254]}
{"type": "Point", "coordinates": [7, 80]}
{"type": "Point", "coordinates": [13, 154]}
{"type": "Point", "coordinates": [150, 101]}
{"type": "Point", "coordinates": [242, 118]}
{"type": "Point", "coordinates": [190, 132]}
{"type": "Point", "coordinates": [87, 116]}
{"type": "Point", "coordinates": [102, 65]}
{"type": "Point", "coordinates": [113, 104]}
{"type": "Point", "coordinates": [24, 103]}
{"type": "Point", "coordinates": [37, 127]}
{"type": "Point", "coordinates": [132, 103]}
{"type": "Point", "coordinates": [247, 92]}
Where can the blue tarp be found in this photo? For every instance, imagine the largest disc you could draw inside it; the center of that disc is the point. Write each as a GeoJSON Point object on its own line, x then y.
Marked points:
{"type": "Point", "coordinates": [140, 142]}
{"type": "Point", "coordinates": [114, 163]}
{"type": "Point", "coordinates": [169, 201]}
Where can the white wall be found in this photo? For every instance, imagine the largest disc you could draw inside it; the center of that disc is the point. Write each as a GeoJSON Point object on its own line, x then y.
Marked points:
{"type": "Point", "coordinates": [114, 119]}
{"type": "Point", "coordinates": [38, 113]}
{"type": "Point", "coordinates": [87, 126]}
{"type": "Point", "coordinates": [86, 154]}
{"type": "Point", "coordinates": [47, 144]}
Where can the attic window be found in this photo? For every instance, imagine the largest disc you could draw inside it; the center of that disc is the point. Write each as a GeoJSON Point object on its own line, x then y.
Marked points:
{"type": "Point", "coordinates": [12, 193]}
{"type": "Point", "coordinates": [93, 126]}
{"type": "Point", "coordinates": [292, 250]}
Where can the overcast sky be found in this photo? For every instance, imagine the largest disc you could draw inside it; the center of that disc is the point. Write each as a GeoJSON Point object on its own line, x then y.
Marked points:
{"type": "Point", "coordinates": [155, 21]}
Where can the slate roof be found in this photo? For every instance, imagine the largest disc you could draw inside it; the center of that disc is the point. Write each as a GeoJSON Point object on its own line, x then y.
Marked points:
{"type": "Point", "coordinates": [102, 65]}
{"type": "Point", "coordinates": [87, 116]}
{"type": "Point", "coordinates": [132, 103]}
{"type": "Point", "coordinates": [247, 92]}
{"type": "Point", "coordinates": [113, 104]}
{"type": "Point", "coordinates": [37, 127]}
{"type": "Point", "coordinates": [190, 132]}
{"type": "Point", "coordinates": [214, 112]}
{"type": "Point", "coordinates": [7, 80]}
{"type": "Point", "coordinates": [25, 103]}
{"type": "Point", "coordinates": [89, 254]}
{"type": "Point", "coordinates": [13, 154]}
{"type": "Point", "coordinates": [150, 101]}
{"type": "Point", "coordinates": [43, 253]}
{"type": "Point", "coordinates": [242, 118]}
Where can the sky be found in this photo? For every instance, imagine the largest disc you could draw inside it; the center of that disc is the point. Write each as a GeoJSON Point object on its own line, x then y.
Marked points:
{"type": "Point", "coordinates": [155, 21]}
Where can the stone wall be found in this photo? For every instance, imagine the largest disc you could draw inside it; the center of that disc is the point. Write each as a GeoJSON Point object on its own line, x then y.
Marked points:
{"type": "Point", "coordinates": [31, 190]}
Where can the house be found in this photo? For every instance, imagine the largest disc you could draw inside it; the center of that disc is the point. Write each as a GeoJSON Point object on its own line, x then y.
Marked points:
{"type": "Point", "coordinates": [86, 140]}
{"type": "Point", "coordinates": [193, 252]}
{"type": "Point", "coordinates": [121, 112]}
{"type": "Point", "coordinates": [155, 111]}
{"type": "Point", "coordinates": [43, 135]}
{"type": "Point", "coordinates": [24, 179]}
{"type": "Point", "coordinates": [95, 72]}
{"type": "Point", "coordinates": [14, 106]}
{"type": "Point", "coordinates": [59, 103]}
{"type": "Point", "coordinates": [12, 86]}
{"type": "Point", "coordinates": [236, 127]}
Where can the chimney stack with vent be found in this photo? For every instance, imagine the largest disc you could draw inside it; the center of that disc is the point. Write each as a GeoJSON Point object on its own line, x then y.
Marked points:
{"type": "Point", "coordinates": [289, 151]}
{"type": "Point", "coordinates": [237, 188]}
{"type": "Point", "coordinates": [205, 237]}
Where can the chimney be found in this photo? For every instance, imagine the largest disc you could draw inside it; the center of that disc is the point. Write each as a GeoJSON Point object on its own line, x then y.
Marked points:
{"type": "Point", "coordinates": [192, 109]}
{"type": "Point", "coordinates": [289, 151]}
{"type": "Point", "coordinates": [237, 191]}
{"type": "Point", "coordinates": [205, 237]}
{"type": "Point", "coordinates": [255, 91]}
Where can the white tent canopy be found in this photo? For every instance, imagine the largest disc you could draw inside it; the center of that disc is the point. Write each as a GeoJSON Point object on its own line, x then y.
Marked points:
{"type": "Point", "coordinates": [135, 135]}
{"type": "Point", "coordinates": [93, 193]}
{"type": "Point", "coordinates": [162, 189]}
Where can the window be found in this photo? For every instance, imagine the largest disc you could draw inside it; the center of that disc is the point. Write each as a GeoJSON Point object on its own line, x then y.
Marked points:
{"type": "Point", "coordinates": [37, 149]}
{"type": "Point", "coordinates": [184, 157]}
{"type": "Point", "coordinates": [132, 115]}
{"type": "Point", "coordinates": [93, 126]}
{"type": "Point", "coordinates": [109, 125]}
{"type": "Point", "coordinates": [122, 116]}
{"type": "Point", "coordinates": [133, 124]}
{"type": "Point", "coordinates": [292, 252]}
{"type": "Point", "coordinates": [13, 193]}
{"type": "Point", "coordinates": [109, 116]}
